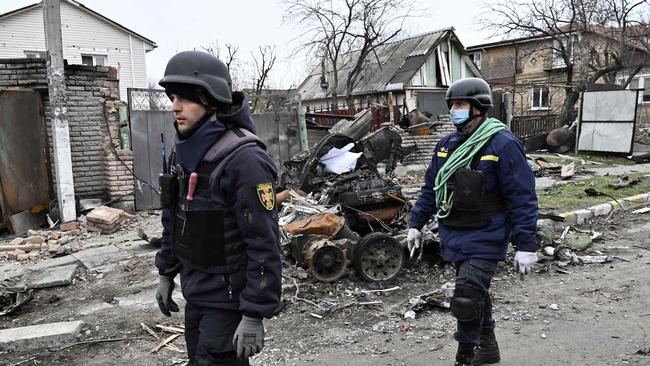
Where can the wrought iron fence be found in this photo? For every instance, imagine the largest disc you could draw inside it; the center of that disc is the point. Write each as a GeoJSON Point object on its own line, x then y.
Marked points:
{"type": "Point", "coordinates": [148, 100]}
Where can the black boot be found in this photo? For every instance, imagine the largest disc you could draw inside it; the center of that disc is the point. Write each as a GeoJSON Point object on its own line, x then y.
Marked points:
{"type": "Point", "coordinates": [488, 350]}
{"type": "Point", "coordinates": [464, 355]}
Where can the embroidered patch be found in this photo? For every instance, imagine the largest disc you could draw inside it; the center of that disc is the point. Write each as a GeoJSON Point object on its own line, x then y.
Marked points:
{"type": "Point", "coordinates": [266, 195]}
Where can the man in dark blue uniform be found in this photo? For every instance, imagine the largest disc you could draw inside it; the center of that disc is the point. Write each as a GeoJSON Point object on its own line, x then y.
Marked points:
{"type": "Point", "coordinates": [482, 192]}
{"type": "Point", "coordinates": [220, 229]}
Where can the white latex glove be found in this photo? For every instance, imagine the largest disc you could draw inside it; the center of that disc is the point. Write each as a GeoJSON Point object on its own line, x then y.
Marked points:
{"type": "Point", "coordinates": [524, 262]}
{"type": "Point", "coordinates": [413, 240]}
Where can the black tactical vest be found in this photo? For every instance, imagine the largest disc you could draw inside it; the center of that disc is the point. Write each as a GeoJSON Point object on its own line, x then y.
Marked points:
{"type": "Point", "coordinates": [206, 233]}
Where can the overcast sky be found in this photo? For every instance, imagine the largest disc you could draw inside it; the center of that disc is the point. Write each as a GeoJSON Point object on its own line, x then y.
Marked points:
{"type": "Point", "coordinates": [178, 25]}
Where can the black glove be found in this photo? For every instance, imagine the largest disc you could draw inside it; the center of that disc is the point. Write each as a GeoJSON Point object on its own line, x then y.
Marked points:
{"type": "Point", "coordinates": [164, 295]}
{"type": "Point", "coordinates": [249, 337]}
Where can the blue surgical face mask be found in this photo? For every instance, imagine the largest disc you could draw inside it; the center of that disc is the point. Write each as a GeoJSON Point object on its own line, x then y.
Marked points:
{"type": "Point", "coordinates": [459, 116]}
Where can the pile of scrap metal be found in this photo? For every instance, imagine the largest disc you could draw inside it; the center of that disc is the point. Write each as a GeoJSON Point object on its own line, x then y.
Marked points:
{"type": "Point", "coordinates": [351, 211]}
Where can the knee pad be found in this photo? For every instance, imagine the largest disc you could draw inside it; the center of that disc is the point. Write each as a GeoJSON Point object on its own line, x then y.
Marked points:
{"type": "Point", "coordinates": [467, 304]}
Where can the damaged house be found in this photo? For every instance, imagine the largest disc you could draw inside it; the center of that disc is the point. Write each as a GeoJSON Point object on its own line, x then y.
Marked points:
{"type": "Point", "coordinates": [103, 58]}
{"type": "Point", "coordinates": [401, 75]}
{"type": "Point", "coordinates": [534, 72]}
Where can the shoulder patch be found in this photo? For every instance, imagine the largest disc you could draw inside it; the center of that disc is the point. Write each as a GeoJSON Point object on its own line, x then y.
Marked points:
{"type": "Point", "coordinates": [266, 195]}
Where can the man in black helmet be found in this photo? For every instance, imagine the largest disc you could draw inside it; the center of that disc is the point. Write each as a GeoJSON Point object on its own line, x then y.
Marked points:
{"type": "Point", "coordinates": [220, 229]}
{"type": "Point", "coordinates": [482, 192]}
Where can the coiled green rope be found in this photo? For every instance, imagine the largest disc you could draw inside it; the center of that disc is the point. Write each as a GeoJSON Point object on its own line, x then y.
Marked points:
{"type": "Point", "coordinates": [462, 157]}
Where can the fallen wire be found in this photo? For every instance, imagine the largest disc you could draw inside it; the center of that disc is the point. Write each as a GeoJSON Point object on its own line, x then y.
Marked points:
{"type": "Point", "coordinates": [382, 290]}
{"type": "Point", "coordinates": [93, 341]}
{"type": "Point", "coordinates": [296, 297]}
{"type": "Point", "coordinates": [350, 304]}
{"type": "Point", "coordinates": [371, 215]}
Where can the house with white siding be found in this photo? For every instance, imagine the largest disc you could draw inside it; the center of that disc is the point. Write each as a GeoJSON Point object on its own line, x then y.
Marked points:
{"type": "Point", "coordinates": [89, 38]}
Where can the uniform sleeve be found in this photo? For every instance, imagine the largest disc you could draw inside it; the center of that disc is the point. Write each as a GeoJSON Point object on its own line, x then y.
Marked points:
{"type": "Point", "coordinates": [249, 179]}
{"type": "Point", "coordinates": [166, 262]}
{"type": "Point", "coordinates": [518, 187]}
{"type": "Point", "coordinates": [425, 206]}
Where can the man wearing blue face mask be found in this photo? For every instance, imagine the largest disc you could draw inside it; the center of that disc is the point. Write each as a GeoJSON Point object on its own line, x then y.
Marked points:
{"type": "Point", "coordinates": [482, 192]}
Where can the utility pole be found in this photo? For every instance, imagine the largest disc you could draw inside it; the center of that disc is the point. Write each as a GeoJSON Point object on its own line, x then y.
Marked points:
{"type": "Point", "coordinates": [59, 110]}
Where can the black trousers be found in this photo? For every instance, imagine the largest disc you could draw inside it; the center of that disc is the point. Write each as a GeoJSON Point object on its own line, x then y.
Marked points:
{"type": "Point", "coordinates": [209, 334]}
{"type": "Point", "coordinates": [476, 273]}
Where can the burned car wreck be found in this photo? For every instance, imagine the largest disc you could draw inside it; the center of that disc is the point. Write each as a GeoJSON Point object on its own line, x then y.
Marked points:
{"type": "Point", "coordinates": [351, 214]}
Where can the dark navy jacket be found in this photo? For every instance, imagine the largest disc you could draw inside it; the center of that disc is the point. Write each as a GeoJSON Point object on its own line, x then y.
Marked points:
{"type": "Point", "coordinates": [250, 280]}
{"type": "Point", "coordinates": [504, 163]}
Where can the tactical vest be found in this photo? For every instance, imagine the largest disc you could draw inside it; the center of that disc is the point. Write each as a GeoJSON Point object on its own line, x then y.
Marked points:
{"type": "Point", "coordinates": [205, 230]}
{"type": "Point", "coordinates": [472, 205]}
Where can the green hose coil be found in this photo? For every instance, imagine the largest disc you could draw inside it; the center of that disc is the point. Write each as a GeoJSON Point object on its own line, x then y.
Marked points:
{"type": "Point", "coordinates": [462, 158]}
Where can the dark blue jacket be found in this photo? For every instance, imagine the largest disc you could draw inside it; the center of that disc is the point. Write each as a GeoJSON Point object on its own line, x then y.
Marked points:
{"type": "Point", "coordinates": [504, 163]}
{"type": "Point", "coordinates": [250, 279]}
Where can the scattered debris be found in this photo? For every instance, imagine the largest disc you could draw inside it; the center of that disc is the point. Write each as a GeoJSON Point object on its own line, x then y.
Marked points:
{"type": "Point", "coordinates": [643, 351]}
{"type": "Point", "coordinates": [641, 210]}
{"type": "Point", "coordinates": [568, 171]}
{"type": "Point", "coordinates": [12, 298]}
{"type": "Point", "coordinates": [350, 214]}
{"type": "Point", "coordinates": [624, 182]}
{"type": "Point", "coordinates": [430, 300]}
{"type": "Point", "coordinates": [166, 342]}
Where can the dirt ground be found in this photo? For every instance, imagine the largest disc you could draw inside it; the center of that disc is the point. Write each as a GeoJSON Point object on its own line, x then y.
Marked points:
{"type": "Point", "coordinates": [594, 314]}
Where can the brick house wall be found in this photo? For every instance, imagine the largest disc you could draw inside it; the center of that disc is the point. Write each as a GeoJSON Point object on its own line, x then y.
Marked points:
{"type": "Point", "coordinates": [93, 102]}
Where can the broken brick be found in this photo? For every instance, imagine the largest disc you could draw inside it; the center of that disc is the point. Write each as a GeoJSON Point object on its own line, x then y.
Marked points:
{"type": "Point", "coordinates": [14, 253]}
{"type": "Point", "coordinates": [35, 240]}
{"type": "Point", "coordinates": [22, 257]}
{"type": "Point", "coordinates": [54, 248]}
{"type": "Point", "coordinates": [68, 226]}
{"type": "Point", "coordinates": [17, 241]}
{"type": "Point", "coordinates": [105, 215]}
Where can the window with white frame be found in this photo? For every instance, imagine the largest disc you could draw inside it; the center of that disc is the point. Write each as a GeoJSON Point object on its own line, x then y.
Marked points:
{"type": "Point", "coordinates": [34, 54]}
{"type": "Point", "coordinates": [94, 60]}
{"type": "Point", "coordinates": [643, 83]}
{"type": "Point", "coordinates": [476, 57]}
{"type": "Point", "coordinates": [568, 42]}
{"type": "Point", "coordinates": [540, 98]}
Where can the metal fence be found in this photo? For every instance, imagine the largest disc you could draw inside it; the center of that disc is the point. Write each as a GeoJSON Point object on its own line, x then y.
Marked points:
{"type": "Point", "coordinates": [528, 126]}
{"type": "Point", "coordinates": [380, 114]}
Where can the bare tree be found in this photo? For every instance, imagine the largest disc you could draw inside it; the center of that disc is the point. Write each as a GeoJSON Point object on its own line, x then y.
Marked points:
{"type": "Point", "coordinates": [380, 21]}
{"type": "Point", "coordinates": [263, 62]}
{"type": "Point", "coordinates": [326, 24]}
{"type": "Point", "coordinates": [343, 33]}
{"type": "Point", "coordinates": [589, 39]}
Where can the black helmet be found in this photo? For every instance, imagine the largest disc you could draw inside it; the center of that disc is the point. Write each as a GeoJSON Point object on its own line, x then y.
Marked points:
{"type": "Point", "coordinates": [200, 69]}
{"type": "Point", "coordinates": [474, 90]}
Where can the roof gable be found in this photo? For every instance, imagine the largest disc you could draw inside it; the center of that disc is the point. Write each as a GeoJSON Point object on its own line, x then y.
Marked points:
{"type": "Point", "coordinates": [394, 62]}
{"type": "Point", "coordinates": [78, 5]}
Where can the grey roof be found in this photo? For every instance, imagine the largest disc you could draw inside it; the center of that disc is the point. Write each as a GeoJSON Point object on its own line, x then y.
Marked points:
{"type": "Point", "coordinates": [395, 62]}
